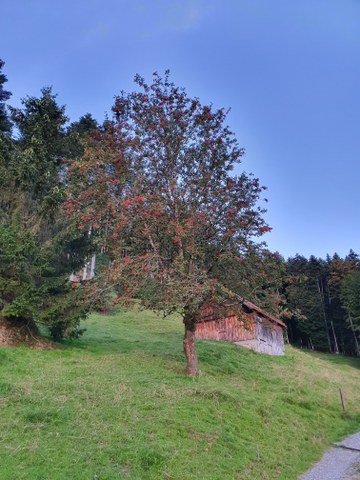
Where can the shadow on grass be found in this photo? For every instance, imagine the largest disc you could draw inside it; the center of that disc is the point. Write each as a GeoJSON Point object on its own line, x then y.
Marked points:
{"type": "Point", "coordinates": [147, 334]}
{"type": "Point", "coordinates": [214, 357]}
{"type": "Point", "coordinates": [166, 345]}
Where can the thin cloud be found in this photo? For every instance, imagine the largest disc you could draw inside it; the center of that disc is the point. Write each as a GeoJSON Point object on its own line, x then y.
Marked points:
{"type": "Point", "coordinates": [178, 16]}
{"type": "Point", "coordinates": [98, 31]}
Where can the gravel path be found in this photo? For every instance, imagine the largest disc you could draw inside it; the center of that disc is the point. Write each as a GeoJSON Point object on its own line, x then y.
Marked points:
{"type": "Point", "coordinates": [341, 462]}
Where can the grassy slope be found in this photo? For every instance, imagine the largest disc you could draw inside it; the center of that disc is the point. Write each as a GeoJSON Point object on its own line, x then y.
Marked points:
{"type": "Point", "coordinates": [115, 405]}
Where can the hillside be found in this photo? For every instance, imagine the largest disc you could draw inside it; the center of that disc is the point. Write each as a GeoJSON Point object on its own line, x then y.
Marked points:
{"type": "Point", "coordinates": [116, 405]}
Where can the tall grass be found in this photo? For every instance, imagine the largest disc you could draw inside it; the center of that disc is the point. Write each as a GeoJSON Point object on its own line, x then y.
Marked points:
{"type": "Point", "coordinates": [115, 404]}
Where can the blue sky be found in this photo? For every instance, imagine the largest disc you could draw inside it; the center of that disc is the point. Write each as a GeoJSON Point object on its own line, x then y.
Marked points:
{"type": "Point", "coordinates": [289, 70]}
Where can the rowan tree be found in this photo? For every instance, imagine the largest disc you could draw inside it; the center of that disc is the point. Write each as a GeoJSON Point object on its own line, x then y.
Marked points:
{"type": "Point", "coordinates": [156, 187]}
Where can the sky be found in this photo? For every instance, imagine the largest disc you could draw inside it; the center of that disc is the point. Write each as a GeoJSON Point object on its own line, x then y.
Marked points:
{"type": "Point", "coordinates": [289, 70]}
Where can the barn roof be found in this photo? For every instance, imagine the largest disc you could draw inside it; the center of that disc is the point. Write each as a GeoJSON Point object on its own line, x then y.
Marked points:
{"type": "Point", "coordinates": [249, 305]}
{"type": "Point", "coordinates": [257, 309]}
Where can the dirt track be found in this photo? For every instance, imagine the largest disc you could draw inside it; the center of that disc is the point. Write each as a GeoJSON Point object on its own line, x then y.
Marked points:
{"type": "Point", "coordinates": [341, 462]}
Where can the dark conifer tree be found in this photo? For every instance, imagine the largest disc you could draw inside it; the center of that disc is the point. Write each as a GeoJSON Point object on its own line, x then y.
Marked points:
{"type": "Point", "coordinates": [5, 125]}
{"type": "Point", "coordinates": [325, 296]}
{"type": "Point", "coordinates": [306, 297]}
{"type": "Point", "coordinates": [350, 297]}
{"type": "Point", "coordinates": [39, 248]}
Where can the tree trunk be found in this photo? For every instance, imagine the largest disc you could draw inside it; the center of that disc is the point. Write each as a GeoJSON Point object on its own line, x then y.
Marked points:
{"type": "Point", "coordinates": [322, 299]}
{"type": "Point", "coordinates": [189, 346]}
{"type": "Point", "coordinates": [13, 332]}
{"type": "Point", "coordinates": [336, 346]}
{"type": "Point", "coordinates": [286, 334]}
{"type": "Point", "coordinates": [354, 336]}
{"type": "Point", "coordinates": [84, 277]}
{"type": "Point", "coordinates": [92, 268]}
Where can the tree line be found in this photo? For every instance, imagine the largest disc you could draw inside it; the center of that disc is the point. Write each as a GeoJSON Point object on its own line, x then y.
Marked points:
{"type": "Point", "coordinates": [324, 303]}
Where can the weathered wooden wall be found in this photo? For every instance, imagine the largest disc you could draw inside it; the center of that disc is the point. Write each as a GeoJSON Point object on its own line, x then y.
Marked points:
{"type": "Point", "coordinates": [229, 329]}
{"type": "Point", "coordinates": [270, 337]}
{"type": "Point", "coordinates": [251, 331]}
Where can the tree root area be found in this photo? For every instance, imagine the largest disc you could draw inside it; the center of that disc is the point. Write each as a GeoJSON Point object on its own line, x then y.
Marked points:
{"type": "Point", "coordinates": [16, 332]}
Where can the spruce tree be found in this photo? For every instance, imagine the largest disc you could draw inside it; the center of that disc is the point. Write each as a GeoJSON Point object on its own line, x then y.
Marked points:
{"type": "Point", "coordinates": [310, 329]}
{"type": "Point", "coordinates": [5, 125]}
{"type": "Point", "coordinates": [39, 247]}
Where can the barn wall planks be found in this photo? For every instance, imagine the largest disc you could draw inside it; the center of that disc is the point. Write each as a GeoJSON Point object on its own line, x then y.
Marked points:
{"type": "Point", "coordinates": [229, 329]}
{"type": "Point", "coordinates": [270, 338]}
{"type": "Point", "coordinates": [251, 330]}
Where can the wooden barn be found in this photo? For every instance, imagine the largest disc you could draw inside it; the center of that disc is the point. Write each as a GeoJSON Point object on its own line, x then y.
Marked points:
{"type": "Point", "coordinates": [254, 328]}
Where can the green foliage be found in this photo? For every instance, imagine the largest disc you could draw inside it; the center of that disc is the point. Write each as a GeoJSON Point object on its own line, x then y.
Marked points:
{"type": "Point", "coordinates": [350, 296]}
{"type": "Point", "coordinates": [40, 148]}
{"type": "Point", "coordinates": [39, 247]}
{"type": "Point", "coordinates": [116, 405]}
{"type": "Point", "coordinates": [305, 296]}
{"type": "Point", "coordinates": [5, 125]}
{"type": "Point", "coordinates": [324, 297]}
{"type": "Point", "coordinates": [76, 132]}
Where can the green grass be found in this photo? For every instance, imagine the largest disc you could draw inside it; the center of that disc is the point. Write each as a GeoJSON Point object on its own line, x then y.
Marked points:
{"type": "Point", "coordinates": [115, 404]}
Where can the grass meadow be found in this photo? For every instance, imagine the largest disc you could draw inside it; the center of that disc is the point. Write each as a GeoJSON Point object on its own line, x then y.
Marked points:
{"type": "Point", "coordinates": [115, 404]}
